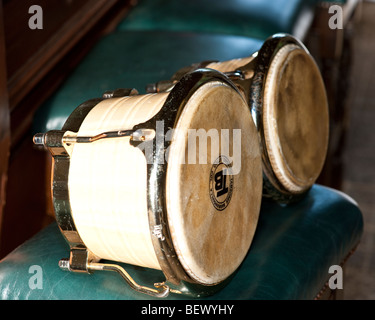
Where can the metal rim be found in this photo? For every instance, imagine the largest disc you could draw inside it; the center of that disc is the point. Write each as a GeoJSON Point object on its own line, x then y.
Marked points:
{"type": "Point", "coordinates": [163, 245]}
{"type": "Point", "coordinates": [60, 189]}
{"type": "Point", "coordinates": [272, 187]}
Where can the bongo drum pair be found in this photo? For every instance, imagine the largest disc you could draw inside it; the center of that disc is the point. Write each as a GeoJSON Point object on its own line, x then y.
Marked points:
{"type": "Point", "coordinates": [130, 183]}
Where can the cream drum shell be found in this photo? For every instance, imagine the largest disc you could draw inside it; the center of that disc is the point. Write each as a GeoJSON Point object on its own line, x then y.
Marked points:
{"type": "Point", "coordinates": [108, 183]}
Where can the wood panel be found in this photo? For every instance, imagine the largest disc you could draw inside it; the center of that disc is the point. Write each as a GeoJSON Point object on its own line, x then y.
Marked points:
{"type": "Point", "coordinates": [38, 62]}
{"type": "Point", "coordinates": [4, 120]}
{"type": "Point", "coordinates": [33, 53]}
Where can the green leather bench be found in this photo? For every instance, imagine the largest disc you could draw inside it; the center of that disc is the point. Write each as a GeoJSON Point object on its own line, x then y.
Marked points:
{"type": "Point", "coordinates": [257, 19]}
{"type": "Point", "coordinates": [290, 257]}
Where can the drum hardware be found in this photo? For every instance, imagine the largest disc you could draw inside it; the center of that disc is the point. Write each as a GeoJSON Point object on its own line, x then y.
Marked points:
{"type": "Point", "coordinates": [179, 279]}
{"type": "Point", "coordinates": [167, 85]}
{"type": "Point", "coordinates": [59, 142]}
{"type": "Point", "coordinates": [235, 75]}
{"type": "Point", "coordinates": [53, 141]}
{"type": "Point", "coordinates": [79, 262]}
{"type": "Point", "coordinates": [117, 93]}
{"type": "Point", "coordinates": [244, 75]}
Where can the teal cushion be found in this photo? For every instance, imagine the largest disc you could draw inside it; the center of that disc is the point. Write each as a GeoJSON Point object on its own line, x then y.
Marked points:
{"type": "Point", "coordinates": [293, 249]}
{"type": "Point", "coordinates": [131, 59]}
{"type": "Point", "coordinates": [259, 19]}
{"type": "Point", "coordinates": [333, 1]}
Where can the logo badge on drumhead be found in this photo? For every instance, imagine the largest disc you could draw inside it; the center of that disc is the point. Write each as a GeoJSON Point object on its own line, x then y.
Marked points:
{"type": "Point", "coordinates": [221, 183]}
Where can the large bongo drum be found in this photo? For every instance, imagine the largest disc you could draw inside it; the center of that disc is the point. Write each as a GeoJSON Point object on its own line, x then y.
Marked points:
{"type": "Point", "coordinates": [286, 94]}
{"type": "Point", "coordinates": [130, 184]}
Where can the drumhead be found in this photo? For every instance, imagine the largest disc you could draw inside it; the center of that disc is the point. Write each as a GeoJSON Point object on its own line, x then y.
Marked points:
{"type": "Point", "coordinates": [213, 207]}
{"type": "Point", "coordinates": [295, 118]}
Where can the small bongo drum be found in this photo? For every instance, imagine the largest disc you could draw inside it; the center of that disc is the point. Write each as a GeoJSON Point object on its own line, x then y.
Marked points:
{"type": "Point", "coordinates": [129, 185]}
{"type": "Point", "coordinates": [286, 94]}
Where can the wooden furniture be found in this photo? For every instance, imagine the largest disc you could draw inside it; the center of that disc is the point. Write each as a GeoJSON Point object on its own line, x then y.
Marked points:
{"type": "Point", "coordinates": [4, 120]}
{"type": "Point", "coordinates": [334, 47]}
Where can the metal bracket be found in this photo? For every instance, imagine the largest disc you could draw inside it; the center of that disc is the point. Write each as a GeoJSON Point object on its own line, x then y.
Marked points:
{"type": "Point", "coordinates": [119, 93]}
{"type": "Point", "coordinates": [59, 143]}
{"type": "Point", "coordinates": [82, 260]}
{"type": "Point", "coordinates": [167, 85]}
{"type": "Point", "coordinates": [135, 135]}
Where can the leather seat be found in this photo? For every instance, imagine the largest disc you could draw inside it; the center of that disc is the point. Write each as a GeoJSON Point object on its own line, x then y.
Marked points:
{"type": "Point", "coordinates": [292, 251]}
{"type": "Point", "coordinates": [258, 19]}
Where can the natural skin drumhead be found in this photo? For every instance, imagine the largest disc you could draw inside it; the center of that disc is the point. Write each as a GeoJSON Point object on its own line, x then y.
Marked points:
{"type": "Point", "coordinates": [213, 207]}
{"type": "Point", "coordinates": [295, 118]}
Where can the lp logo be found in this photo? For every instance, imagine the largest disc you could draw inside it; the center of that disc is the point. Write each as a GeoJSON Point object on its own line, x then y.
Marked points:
{"type": "Point", "coordinates": [221, 183]}
{"type": "Point", "coordinates": [36, 281]}
{"type": "Point", "coordinates": [335, 281]}
{"type": "Point", "coordinates": [36, 21]}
